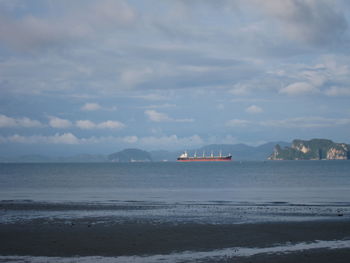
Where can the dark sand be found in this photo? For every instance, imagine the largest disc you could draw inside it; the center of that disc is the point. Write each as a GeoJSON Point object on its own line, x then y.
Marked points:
{"type": "Point", "coordinates": [84, 238]}
{"type": "Point", "coordinates": [130, 236]}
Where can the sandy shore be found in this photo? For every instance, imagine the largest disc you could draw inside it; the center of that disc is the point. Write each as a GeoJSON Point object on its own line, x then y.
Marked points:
{"type": "Point", "coordinates": [84, 238]}
{"type": "Point", "coordinates": [150, 232]}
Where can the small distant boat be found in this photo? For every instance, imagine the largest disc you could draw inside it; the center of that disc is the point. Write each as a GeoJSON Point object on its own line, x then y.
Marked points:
{"type": "Point", "coordinates": [220, 158]}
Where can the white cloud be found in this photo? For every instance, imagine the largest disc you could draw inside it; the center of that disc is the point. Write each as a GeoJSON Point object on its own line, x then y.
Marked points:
{"type": "Point", "coordinates": [314, 77]}
{"type": "Point", "coordinates": [298, 122]}
{"type": "Point", "coordinates": [87, 125]}
{"type": "Point", "coordinates": [306, 122]}
{"type": "Point", "coordinates": [28, 123]}
{"type": "Point", "coordinates": [153, 97]}
{"type": "Point", "coordinates": [156, 116]}
{"type": "Point", "coordinates": [7, 121]}
{"type": "Point", "coordinates": [91, 107]}
{"type": "Point", "coordinates": [237, 123]}
{"type": "Point", "coordinates": [56, 122]}
{"type": "Point", "coordinates": [228, 139]}
{"type": "Point", "coordinates": [159, 106]}
{"type": "Point", "coordinates": [130, 139]}
{"type": "Point", "coordinates": [65, 138]}
{"type": "Point", "coordinates": [171, 141]}
{"type": "Point", "coordinates": [110, 125]}
{"type": "Point", "coordinates": [337, 91]}
{"type": "Point", "coordinates": [299, 88]}
{"type": "Point", "coordinates": [24, 122]}
{"type": "Point", "coordinates": [253, 109]}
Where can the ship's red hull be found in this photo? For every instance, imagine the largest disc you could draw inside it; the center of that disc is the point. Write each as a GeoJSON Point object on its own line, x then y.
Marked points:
{"type": "Point", "coordinates": [224, 159]}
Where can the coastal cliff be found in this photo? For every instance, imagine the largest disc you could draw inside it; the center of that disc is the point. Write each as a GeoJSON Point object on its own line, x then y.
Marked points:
{"type": "Point", "coordinates": [315, 149]}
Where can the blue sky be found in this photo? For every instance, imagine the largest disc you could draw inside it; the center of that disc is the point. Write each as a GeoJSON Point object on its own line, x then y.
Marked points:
{"type": "Point", "coordinates": [91, 76]}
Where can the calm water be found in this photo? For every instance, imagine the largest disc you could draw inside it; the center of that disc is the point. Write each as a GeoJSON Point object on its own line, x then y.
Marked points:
{"type": "Point", "coordinates": [294, 182]}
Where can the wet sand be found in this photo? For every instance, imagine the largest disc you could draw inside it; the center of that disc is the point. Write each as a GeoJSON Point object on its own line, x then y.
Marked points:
{"type": "Point", "coordinates": [84, 238]}
{"type": "Point", "coordinates": [143, 230]}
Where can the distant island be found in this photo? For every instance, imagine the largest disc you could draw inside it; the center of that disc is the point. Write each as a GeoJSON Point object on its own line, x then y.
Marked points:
{"type": "Point", "coordinates": [130, 155]}
{"type": "Point", "coordinates": [315, 149]}
{"type": "Point", "coordinates": [240, 152]}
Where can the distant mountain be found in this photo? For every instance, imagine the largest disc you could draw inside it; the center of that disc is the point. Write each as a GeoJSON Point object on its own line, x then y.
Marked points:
{"type": "Point", "coordinates": [130, 155]}
{"type": "Point", "coordinates": [240, 152]}
{"type": "Point", "coordinates": [243, 152]}
{"type": "Point", "coordinates": [26, 159]}
{"type": "Point", "coordinates": [315, 149]}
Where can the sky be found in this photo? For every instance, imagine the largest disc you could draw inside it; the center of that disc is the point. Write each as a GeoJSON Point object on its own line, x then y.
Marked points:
{"type": "Point", "coordinates": [98, 76]}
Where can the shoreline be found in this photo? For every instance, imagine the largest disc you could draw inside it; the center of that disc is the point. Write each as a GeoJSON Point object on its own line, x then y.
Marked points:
{"type": "Point", "coordinates": [160, 232]}
{"type": "Point", "coordinates": [55, 238]}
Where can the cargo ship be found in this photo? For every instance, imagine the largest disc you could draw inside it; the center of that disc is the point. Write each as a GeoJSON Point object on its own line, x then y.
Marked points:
{"type": "Point", "coordinates": [220, 158]}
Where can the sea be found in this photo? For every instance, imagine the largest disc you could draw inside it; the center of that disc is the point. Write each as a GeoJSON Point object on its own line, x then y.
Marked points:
{"type": "Point", "coordinates": [176, 193]}
{"type": "Point", "coordinates": [292, 182]}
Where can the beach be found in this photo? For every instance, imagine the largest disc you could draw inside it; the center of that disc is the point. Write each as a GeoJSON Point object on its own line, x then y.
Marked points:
{"type": "Point", "coordinates": [171, 212]}
{"type": "Point", "coordinates": [149, 238]}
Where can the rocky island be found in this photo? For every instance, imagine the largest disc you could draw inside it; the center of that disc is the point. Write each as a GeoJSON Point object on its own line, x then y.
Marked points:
{"type": "Point", "coordinates": [315, 149]}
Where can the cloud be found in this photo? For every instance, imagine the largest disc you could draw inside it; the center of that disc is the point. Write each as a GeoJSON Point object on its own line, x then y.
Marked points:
{"type": "Point", "coordinates": [28, 31]}
{"type": "Point", "coordinates": [337, 91]}
{"type": "Point", "coordinates": [316, 22]}
{"type": "Point", "coordinates": [87, 125]}
{"type": "Point", "coordinates": [133, 77]}
{"type": "Point", "coordinates": [298, 88]}
{"type": "Point", "coordinates": [298, 122]}
{"type": "Point", "coordinates": [59, 123]}
{"type": "Point", "coordinates": [306, 122]}
{"type": "Point", "coordinates": [7, 122]}
{"type": "Point", "coordinates": [110, 125]}
{"type": "Point", "coordinates": [91, 107]}
{"type": "Point", "coordinates": [237, 123]}
{"type": "Point", "coordinates": [130, 139]}
{"type": "Point", "coordinates": [316, 78]}
{"type": "Point", "coordinates": [253, 109]}
{"type": "Point", "coordinates": [159, 106]}
{"type": "Point", "coordinates": [227, 139]}
{"type": "Point", "coordinates": [152, 97]}
{"type": "Point", "coordinates": [172, 141]}
{"type": "Point", "coordinates": [65, 138]}
{"type": "Point", "coordinates": [156, 116]}
{"type": "Point", "coordinates": [239, 89]}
